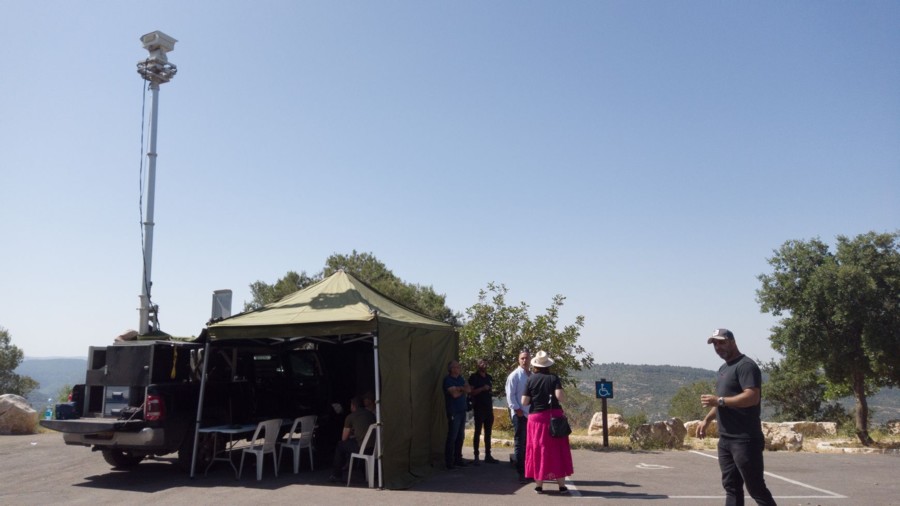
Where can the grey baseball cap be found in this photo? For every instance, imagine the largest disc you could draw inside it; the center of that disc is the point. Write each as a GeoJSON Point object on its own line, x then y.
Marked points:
{"type": "Point", "coordinates": [720, 335]}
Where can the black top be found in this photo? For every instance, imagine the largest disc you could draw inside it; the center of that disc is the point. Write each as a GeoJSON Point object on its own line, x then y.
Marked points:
{"type": "Point", "coordinates": [482, 400]}
{"type": "Point", "coordinates": [734, 377]}
{"type": "Point", "coordinates": [539, 387]}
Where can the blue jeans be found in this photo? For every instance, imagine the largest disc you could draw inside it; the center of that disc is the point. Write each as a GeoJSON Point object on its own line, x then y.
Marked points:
{"type": "Point", "coordinates": [741, 462]}
{"type": "Point", "coordinates": [456, 432]}
{"type": "Point", "coordinates": [520, 439]}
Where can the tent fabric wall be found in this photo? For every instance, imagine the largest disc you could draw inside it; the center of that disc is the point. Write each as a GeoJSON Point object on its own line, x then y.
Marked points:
{"type": "Point", "coordinates": [415, 422]}
{"type": "Point", "coordinates": [413, 352]}
{"type": "Point", "coordinates": [428, 392]}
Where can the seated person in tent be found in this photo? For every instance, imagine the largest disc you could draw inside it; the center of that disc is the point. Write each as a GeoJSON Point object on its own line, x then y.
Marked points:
{"type": "Point", "coordinates": [355, 426]}
{"type": "Point", "coordinates": [369, 401]}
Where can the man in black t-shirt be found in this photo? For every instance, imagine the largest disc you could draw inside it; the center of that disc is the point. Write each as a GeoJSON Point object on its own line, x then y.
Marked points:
{"type": "Point", "coordinates": [736, 408]}
{"type": "Point", "coordinates": [355, 427]}
{"type": "Point", "coordinates": [483, 406]}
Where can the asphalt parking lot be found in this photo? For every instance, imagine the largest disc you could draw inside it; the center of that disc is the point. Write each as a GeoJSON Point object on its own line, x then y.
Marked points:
{"type": "Point", "coordinates": [40, 469]}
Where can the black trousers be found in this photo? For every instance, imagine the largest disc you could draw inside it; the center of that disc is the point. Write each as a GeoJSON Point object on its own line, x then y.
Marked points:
{"type": "Point", "coordinates": [484, 418]}
{"type": "Point", "coordinates": [342, 455]}
{"type": "Point", "coordinates": [520, 441]}
{"type": "Point", "coordinates": [741, 462]}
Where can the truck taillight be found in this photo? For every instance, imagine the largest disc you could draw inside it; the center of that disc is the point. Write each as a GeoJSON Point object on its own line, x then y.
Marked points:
{"type": "Point", "coordinates": [155, 408]}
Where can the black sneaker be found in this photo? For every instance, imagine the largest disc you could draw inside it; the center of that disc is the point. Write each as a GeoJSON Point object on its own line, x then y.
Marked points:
{"type": "Point", "coordinates": [460, 463]}
{"type": "Point", "coordinates": [476, 462]}
{"type": "Point", "coordinates": [563, 490]}
{"type": "Point", "coordinates": [490, 460]}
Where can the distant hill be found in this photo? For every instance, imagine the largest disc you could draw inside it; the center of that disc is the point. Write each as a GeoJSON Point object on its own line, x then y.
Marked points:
{"type": "Point", "coordinates": [642, 388]}
{"type": "Point", "coordinates": [649, 388]}
{"type": "Point", "coordinates": [52, 374]}
{"type": "Point", "coordinates": [637, 388]}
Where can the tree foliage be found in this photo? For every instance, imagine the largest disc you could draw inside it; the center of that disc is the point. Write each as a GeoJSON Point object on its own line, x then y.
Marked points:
{"type": "Point", "coordinates": [366, 268]}
{"type": "Point", "coordinates": [795, 393]}
{"type": "Point", "coordinates": [841, 313]}
{"type": "Point", "coordinates": [10, 358]}
{"type": "Point", "coordinates": [370, 270]}
{"type": "Point", "coordinates": [264, 293]}
{"type": "Point", "coordinates": [685, 404]}
{"type": "Point", "coordinates": [497, 332]}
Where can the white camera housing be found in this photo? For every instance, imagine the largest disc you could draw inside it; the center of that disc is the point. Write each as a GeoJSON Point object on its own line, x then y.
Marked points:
{"type": "Point", "coordinates": [158, 44]}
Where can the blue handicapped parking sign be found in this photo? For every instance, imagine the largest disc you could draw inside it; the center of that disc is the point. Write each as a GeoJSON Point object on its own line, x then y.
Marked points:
{"type": "Point", "coordinates": [604, 389]}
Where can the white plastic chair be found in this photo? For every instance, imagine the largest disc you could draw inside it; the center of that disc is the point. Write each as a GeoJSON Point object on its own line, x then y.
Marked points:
{"type": "Point", "coordinates": [370, 459]}
{"type": "Point", "coordinates": [297, 440]}
{"type": "Point", "coordinates": [261, 445]}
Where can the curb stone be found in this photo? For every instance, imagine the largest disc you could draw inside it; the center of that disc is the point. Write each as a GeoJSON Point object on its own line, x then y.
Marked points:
{"type": "Point", "coordinates": [826, 447]}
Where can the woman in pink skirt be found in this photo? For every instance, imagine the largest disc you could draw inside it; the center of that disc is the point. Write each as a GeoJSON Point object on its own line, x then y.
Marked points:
{"type": "Point", "coordinates": [546, 457]}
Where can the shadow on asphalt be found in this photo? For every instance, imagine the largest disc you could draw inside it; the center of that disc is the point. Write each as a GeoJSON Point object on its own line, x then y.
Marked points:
{"type": "Point", "coordinates": [160, 474]}
{"type": "Point", "coordinates": [620, 495]}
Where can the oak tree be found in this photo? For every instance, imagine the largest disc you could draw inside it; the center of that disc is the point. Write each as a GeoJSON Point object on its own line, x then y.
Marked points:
{"type": "Point", "coordinates": [840, 313]}
{"type": "Point", "coordinates": [497, 332]}
{"type": "Point", "coordinates": [10, 358]}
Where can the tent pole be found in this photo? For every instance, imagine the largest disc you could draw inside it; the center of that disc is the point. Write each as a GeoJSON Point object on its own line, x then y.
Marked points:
{"type": "Point", "coordinates": [378, 406]}
{"type": "Point", "coordinates": [200, 408]}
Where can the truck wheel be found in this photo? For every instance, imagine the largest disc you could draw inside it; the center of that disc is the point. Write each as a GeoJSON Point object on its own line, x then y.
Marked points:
{"type": "Point", "coordinates": [121, 459]}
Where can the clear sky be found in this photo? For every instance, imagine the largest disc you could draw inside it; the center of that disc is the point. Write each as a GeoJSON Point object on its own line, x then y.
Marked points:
{"type": "Point", "coordinates": [643, 159]}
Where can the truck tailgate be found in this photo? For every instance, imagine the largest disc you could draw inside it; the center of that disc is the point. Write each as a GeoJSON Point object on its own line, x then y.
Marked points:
{"type": "Point", "coordinates": [92, 425]}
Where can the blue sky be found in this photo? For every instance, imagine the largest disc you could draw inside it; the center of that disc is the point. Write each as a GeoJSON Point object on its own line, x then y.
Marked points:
{"type": "Point", "coordinates": [643, 159]}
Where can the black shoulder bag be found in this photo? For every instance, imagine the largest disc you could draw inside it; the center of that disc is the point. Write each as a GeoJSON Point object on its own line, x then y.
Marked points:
{"type": "Point", "coordinates": [559, 425]}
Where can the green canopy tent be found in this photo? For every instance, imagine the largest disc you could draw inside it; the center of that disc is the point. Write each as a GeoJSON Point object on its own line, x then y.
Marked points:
{"type": "Point", "coordinates": [410, 351]}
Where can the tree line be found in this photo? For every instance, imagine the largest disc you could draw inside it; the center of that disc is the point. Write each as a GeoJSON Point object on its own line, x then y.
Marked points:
{"type": "Point", "coordinates": [838, 331]}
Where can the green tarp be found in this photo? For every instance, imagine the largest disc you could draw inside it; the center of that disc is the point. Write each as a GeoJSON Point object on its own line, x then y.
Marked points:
{"type": "Point", "coordinates": [413, 352]}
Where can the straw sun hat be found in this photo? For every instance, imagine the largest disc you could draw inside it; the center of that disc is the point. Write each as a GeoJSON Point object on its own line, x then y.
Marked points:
{"type": "Point", "coordinates": [541, 360]}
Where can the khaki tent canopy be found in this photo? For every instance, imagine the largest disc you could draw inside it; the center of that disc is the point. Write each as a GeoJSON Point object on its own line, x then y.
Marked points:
{"type": "Point", "coordinates": [411, 355]}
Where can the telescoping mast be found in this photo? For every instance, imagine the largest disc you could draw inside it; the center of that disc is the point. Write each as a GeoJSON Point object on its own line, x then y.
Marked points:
{"type": "Point", "coordinates": [156, 70]}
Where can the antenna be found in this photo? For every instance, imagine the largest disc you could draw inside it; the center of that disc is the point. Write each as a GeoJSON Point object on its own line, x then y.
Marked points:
{"type": "Point", "coordinates": [157, 70]}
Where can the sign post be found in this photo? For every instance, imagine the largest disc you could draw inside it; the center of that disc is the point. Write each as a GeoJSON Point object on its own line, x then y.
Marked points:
{"type": "Point", "coordinates": [604, 390]}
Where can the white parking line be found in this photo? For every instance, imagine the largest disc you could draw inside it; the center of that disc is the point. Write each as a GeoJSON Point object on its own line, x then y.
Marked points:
{"type": "Point", "coordinates": [651, 466]}
{"type": "Point", "coordinates": [830, 494]}
{"type": "Point", "coordinates": [573, 490]}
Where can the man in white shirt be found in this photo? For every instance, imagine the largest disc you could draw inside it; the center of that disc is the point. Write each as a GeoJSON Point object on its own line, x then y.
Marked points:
{"type": "Point", "coordinates": [515, 387]}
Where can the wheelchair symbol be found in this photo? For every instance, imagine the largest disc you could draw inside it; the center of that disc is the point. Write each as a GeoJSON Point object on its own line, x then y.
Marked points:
{"type": "Point", "coordinates": [604, 389]}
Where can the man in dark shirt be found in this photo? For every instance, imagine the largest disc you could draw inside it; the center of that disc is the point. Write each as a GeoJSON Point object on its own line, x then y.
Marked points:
{"type": "Point", "coordinates": [482, 385]}
{"type": "Point", "coordinates": [455, 390]}
{"type": "Point", "coordinates": [736, 408]}
{"type": "Point", "coordinates": [355, 427]}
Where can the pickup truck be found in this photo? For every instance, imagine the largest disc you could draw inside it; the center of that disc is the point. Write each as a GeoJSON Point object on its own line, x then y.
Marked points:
{"type": "Point", "coordinates": [140, 398]}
